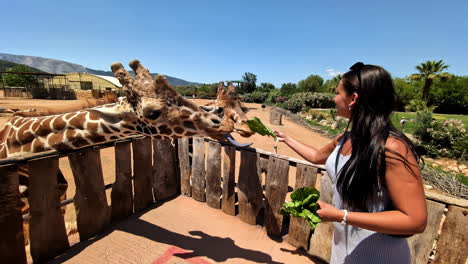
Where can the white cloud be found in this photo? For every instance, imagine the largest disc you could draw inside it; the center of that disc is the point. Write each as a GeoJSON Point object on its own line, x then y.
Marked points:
{"type": "Point", "coordinates": [333, 72]}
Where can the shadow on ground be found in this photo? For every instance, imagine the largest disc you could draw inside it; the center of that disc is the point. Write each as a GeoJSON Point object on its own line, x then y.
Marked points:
{"type": "Point", "coordinates": [201, 244]}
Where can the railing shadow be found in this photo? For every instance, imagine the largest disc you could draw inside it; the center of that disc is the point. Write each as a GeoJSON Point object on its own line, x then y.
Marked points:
{"type": "Point", "coordinates": [218, 249]}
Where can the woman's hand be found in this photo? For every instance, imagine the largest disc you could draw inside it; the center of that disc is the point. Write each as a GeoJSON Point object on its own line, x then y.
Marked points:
{"type": "Point", "coordinates": [282, 137]}
{"type": "Point", "coordinates": [328, 213]}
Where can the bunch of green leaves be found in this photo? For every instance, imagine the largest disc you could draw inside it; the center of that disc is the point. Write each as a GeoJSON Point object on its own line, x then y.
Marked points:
{"type": "Point", "coordinates": [304, 204]}
{"type": "Point", "coordinates": [256, 125]}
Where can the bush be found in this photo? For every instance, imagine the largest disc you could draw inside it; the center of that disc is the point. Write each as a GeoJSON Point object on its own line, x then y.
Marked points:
{"type": "Point", "coordinates": [255, 97]}
{"type": "Point", "coordinates": [417, 106]}
{"type": "Point", "coordinates": [312, 100]}
{"type": "Point", "coordinates": [441, 138]}
{"type": "Point", "coordinates": [423, 123]}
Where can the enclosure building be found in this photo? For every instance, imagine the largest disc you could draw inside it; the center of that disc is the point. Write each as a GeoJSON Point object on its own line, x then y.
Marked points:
{"type": "Point", "coordinates": [86, 81]}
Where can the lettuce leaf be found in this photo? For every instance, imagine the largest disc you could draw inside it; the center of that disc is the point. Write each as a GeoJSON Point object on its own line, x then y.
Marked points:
{"type": "Point", "coordinates": [256, 125]}
{"type": "Point", "coordinates": [304, 205]}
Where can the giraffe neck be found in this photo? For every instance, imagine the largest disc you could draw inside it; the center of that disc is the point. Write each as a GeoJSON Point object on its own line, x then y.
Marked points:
{"type": "Point", "coordinates": [22, 135]}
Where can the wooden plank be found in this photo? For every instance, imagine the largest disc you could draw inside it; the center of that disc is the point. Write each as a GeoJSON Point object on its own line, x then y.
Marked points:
{"type": "Point", "coordinates": [213, 175]}
{"type": "Point", "coordinates": [122, 189]}
{"type": "Point", "coordinates": [48, 234]}
{"type": "Point", "coordinates": [165, 178]}
{"type": "Point", "coordinates": [11, 224]}
{"type": "Point", "coordinates": [184, 166]}
{"type": "Point", "coordinates": [321, 241]}
{"type": "Point", "coordinates": [228, 205]}
{"type": "Point", "coordinates": [249, 188]}
{"type": "Point", "coordinates": [421, 244]}
{"type": "Point", "coordinates": [299, 229]}
{"type": "Point", "coordinates": [438, 197]}
{"type": "Point", "coordinates": [92, 212]}
{"type": "Point", "coordinates": [452, 246]}
{"type": "Point", "coordinates": [275, 194]}
{"type": "Point", "coordinates": [142, 173]}
{"type": "Point", "coordinates": [198, 170]}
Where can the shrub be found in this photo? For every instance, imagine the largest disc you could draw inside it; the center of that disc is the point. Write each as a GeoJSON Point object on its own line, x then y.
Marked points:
{"type": "Point", "coordinates": [255, 97]}
{"type": "Point", "coordinates": [441, 138]}
{"type": "Point", "coordinates": [312, 100]}
{"type": "Point", "coordinates": [418, 105]}
{"type": "Point", "coordinates": [423, 123]}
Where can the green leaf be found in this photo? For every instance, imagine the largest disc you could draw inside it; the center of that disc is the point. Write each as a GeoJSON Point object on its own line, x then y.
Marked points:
{"type": "Point", "coordinates": [257, 126]}
{"type": "Point", "coordinates": [301, 194]}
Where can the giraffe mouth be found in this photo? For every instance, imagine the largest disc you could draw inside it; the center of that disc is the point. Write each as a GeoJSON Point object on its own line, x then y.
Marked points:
{"type": "Point", "coordinates": [234, 142]}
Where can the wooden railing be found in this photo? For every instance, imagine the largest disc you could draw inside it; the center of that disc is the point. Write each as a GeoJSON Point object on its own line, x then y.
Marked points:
{"type": "Point", "coordinates": [154, 170]}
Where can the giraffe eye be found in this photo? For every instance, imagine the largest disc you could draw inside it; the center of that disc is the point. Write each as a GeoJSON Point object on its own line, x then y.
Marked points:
{"type": "Point", "coordinates": [153, 114]}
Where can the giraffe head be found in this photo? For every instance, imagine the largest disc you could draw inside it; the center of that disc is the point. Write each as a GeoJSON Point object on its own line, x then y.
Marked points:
{"type": "Point", "coordinates": [229, 107]}
{"type": "Point", "coordinates": [154, 108]}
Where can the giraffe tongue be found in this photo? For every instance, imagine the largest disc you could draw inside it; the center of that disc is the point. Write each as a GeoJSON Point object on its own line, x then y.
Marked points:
{"type": "Point", "coordinates": [235, 143]}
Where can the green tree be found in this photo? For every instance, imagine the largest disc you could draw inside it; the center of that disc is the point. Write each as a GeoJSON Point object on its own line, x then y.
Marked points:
{"type": "Point", "coordinates": [330, 85]}
{"type": "Point", "coordinates": [288, 89]}
{"type": "Point", "coordinates": [20, 80]}
{"type": "Point", "coordinates": [428, 71]}
{"type": "Point", "coordinates": [265, 87]}
{"type": "Point", "coordinates": [249, 83]}
{"type": "Point", "coordinates": [313, 83]}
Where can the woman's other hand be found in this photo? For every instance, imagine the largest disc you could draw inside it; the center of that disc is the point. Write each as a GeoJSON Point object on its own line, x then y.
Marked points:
{"type": "Point", "coordinates": [328, 213]}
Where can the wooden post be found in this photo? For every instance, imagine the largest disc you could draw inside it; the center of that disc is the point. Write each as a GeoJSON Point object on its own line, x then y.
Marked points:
{"type": "Point", "coordinates": [142, 173]}
{"type": "Point", "coordinates": [92, 212]}
{"type": "Point", "coordinates": [213, 175]}
{"type": "Point", "coordinates": [165, 180]}
{"type": "Point", "coordinates": [321, 241]}
{"type": "Point", "coordinates": [184, 166]}
{"type": "Point", "coordinates": [48, 234]}
{"type": "Point", "coordinates": [299, 228]}
{"type": "Point", "coordinates": [276, 118]}
{"type": "Point", "coordinates": [198, 170]}
{"type": "Point", "coordinates": [250, 188]}
{"type": "Point", "coordinates": [275, 194]}
{"type": "Point", "coordinates": [11, 224]}
{"type": "Point", "coordinates": [122, 193]}
{"type": "Point", "coordinates": [452, 246]}
{"type": "Point", "coordinates": [421, 244]}
{"type": "Point", "coordinates": [229, 167]}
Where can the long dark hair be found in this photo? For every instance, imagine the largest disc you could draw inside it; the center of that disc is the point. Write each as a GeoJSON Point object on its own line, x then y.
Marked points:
{"type": "Point", "coordinates": [363, 175]}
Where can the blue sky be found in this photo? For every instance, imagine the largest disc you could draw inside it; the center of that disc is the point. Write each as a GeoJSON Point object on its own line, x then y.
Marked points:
{"type": "Point", "coordinates": [209, 41]}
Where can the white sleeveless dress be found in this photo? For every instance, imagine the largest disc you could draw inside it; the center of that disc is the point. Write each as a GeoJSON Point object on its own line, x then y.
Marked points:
{"type": "Point", "coordinates": [353, 245]}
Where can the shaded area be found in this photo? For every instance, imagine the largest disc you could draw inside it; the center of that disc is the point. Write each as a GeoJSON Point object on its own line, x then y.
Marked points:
{"type": "Point", "coordinates": [218, 249]}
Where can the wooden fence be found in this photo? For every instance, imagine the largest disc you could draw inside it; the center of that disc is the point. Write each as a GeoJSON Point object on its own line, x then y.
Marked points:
{"type": "Point", "coordinates": [205, 170]}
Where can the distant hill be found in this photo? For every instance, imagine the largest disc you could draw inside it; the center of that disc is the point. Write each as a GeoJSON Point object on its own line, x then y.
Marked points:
{"type": "Point", "coordinates": [5, 65]}
{"type": "Point", "coordinates": [60, 67]}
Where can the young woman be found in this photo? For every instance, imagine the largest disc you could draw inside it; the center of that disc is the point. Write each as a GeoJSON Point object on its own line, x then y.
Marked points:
{"type": "Point", "coordinates": [378, 198]}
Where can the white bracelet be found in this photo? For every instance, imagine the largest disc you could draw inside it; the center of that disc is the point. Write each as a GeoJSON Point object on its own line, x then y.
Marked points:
{"type": "Point", "coordinates": [344, 217]}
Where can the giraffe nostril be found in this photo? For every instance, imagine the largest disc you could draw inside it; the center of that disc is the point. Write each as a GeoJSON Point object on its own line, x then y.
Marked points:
{"type": "Point", "coordinates": [215, 121]}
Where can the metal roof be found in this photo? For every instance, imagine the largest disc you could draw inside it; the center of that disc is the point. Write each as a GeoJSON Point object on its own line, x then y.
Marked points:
{"type": "Point", "coordinates": [113, 80]}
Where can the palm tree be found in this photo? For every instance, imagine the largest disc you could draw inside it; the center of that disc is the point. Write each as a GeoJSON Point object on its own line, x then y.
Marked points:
{"type": "Point", "coordinates": [428, 71]}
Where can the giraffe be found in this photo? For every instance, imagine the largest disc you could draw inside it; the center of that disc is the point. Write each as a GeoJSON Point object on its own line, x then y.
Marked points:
{"type": "Point", "coordinates": [229, 107]}
{"type": "Point", "coordinates": [150, 107]}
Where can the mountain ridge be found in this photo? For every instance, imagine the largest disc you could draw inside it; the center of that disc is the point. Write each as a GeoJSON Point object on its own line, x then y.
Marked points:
{"type": "Point", "coordinates": [59, 67]}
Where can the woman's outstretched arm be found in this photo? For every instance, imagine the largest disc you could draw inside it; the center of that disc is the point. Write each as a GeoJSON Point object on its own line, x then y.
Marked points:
{"type": "Point", "coordinates": [309, 153]}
